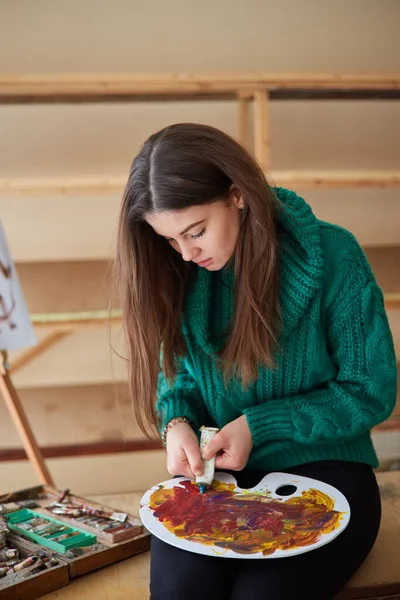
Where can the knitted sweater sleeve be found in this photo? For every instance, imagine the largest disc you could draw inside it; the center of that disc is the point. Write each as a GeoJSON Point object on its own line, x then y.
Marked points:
{"type": "Point", "coordinates": [180, 398]}
{"type": "Point", "coordinates": [363, 393]}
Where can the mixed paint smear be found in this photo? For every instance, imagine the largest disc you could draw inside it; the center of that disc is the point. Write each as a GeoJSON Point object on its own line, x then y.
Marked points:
{"type": "Point", "coordinates": [243, 521]}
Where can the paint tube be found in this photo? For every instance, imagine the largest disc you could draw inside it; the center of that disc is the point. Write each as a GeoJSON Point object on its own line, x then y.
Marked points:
{"type": "Point", "coordinates": [65, 536]}
{"type": "Point", "coordinates": [10, 507]}
{"type": "Point", "coordinates": [3, 526]}
{"type": "Point", "coordinates": [115, 527]}
{"type": "Point", "coordinates": [57, 529]}
{"type": "Point", "coordinates": [9, 553]}
{"type": "Point", "coordinates": [27, 562]}
{"type": "Point", "coordinates": [205, 480]}
{"type": "Point", "coordinates": [64, 494]}
{"type": "Point", "coordinates": [38, 567]}
{"type": "Point", "coordinates": [70, 512]}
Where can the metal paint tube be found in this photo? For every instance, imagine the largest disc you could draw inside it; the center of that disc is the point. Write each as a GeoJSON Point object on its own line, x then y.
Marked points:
{"type": "Point", "coordinates": [28, 562]}
{"type": "Point", "coordinates": [3, 526]}
{"type": "Point", "coordinates": [205, 480]}
{"type": "Point", "coordinates": [8, 554]}
{"type": "Point", "coordinates": [65, 536]}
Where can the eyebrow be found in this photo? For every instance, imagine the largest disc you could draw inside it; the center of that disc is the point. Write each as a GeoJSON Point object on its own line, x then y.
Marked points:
{"type": "Point", "coordinates": [190, 227]}
{"type": "Point", "coordinates": [187, 229]}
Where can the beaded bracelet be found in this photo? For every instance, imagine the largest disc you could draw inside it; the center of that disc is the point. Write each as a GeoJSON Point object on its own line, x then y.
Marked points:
{"type": "Point", "coordinates": [171, 423]}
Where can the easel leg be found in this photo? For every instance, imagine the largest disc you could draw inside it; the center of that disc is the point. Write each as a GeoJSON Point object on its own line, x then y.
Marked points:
{"type": "Point", "coordinates": [22, 424]}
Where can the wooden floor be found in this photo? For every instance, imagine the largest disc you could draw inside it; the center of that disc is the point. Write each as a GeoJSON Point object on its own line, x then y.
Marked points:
{"type": "Point", "coordinates": [129, 580]}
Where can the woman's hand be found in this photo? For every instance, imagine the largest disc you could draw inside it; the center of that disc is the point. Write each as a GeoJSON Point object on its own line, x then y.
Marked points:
{"type": "Point", "coordinates": [232, 445]}
{"type": "Point", "coordinates": [183, 451]}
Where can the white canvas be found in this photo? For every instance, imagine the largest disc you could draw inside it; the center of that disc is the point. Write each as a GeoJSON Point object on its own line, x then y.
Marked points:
{"type": "Point", "coordinates": [268, 484]}
{"type": "Point", "coordinates": [16, 329]}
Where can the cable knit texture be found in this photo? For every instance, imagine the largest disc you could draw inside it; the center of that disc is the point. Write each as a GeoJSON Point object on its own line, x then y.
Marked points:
{"type": "Point", "coordinates": [336, 375]}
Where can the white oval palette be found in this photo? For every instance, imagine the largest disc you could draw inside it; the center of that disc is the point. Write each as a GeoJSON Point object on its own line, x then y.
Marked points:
{"type": "Point", "coordinates": [270, 520]}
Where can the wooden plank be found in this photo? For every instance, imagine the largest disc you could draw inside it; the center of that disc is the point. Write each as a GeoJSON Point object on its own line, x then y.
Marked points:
{"type": "Point", "coordinates": [76, 319]}
{"type": "Point", "coordinates": [243, 119]}
{"type": "Point", "coordinates": [89, 449]}
{"type": "Point", "coordinates": [90, 87]}
{"type": "Point", "coordinates": [334, 179]}
{"type": "Point", "coordinates": [261, 127]}
{"type": "Point", "coordinates": [329, 178]}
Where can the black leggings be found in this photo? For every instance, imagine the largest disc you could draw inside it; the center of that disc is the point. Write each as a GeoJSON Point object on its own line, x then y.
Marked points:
{"type": "Point", "coordinates": [316, 575]}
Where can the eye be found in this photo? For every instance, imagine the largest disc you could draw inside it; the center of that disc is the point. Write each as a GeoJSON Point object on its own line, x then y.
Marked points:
{"type": "Point", "coordinates": [198, 235]}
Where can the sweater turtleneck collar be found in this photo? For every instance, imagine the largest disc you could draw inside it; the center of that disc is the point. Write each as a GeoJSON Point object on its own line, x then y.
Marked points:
{"type": "Point", "coordinates": [209, 305]}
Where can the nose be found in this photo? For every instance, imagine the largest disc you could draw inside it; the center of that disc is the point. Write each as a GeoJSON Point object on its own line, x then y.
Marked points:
{"type": "Point", "coordinates": [188, 252]}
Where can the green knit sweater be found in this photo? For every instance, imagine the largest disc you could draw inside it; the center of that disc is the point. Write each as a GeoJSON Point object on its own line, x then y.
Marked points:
{"type": "Point", "coordinates": [336, 375]}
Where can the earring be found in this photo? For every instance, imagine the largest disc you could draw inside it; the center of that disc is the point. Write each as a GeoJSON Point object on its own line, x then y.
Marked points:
{"type": "Point", "coordinates": [241, 205]}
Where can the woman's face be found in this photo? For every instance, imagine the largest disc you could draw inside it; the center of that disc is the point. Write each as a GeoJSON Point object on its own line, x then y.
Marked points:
{"type": "Point", "coordinates": [205, 233]}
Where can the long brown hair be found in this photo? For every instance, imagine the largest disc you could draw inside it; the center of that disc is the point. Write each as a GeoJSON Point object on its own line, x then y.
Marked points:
{"type": "Point", "coordinates": [181, 166]}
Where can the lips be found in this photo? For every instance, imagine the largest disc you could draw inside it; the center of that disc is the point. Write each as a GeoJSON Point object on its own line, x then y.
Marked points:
{"type": "Point", "coordinates": [205, 263]}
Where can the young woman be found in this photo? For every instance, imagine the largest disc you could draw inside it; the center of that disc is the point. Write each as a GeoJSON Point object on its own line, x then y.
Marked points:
{"type": "Point", "coordinates": [272, 328]}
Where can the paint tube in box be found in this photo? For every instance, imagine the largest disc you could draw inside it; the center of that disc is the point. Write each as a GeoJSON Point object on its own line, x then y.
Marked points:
{"type": "Point", "coordinates": [205, 480]}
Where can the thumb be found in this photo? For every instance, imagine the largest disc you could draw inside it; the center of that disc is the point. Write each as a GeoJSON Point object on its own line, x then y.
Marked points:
{"type": "Point", "coordinates": [212, 447]}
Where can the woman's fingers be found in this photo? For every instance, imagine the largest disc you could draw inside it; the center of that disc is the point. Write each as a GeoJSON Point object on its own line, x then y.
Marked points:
{"type": "Point", "coordinates": [194, 458]}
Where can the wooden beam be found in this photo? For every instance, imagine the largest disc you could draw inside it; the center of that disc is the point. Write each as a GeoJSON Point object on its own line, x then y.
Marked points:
{"type": "Point", "coordinates": [305, 178]}
{"type": "Point", "coordinates": [76, 319]}
{"type": "Point", "coordinates": [80, 319]}
{"type": "Point", "coordinates": [331, 179]}
{"type": "Point", "coordinates": [91, 87]}
{"type": "Point", "coordinates": [243, 119]}
{"type": "Point", "coordinates": [262, 149]}
{"type": "Point", "coordinates": [109, 447]}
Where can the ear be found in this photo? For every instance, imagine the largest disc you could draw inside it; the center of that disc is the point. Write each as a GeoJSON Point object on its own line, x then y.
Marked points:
{"type": "Point", "coordinates": [236, 197]}
{"type": "Point", "coordinates": [239, 202]}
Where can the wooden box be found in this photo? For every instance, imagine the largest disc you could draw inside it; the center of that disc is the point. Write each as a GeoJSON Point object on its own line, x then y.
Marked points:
{"type": "Point", "coordinates": [108, 549]}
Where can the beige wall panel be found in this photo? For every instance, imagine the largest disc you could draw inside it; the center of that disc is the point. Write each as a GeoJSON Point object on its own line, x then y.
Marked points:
{"type": "Point", "coordinates": [102, 139]}
{"type": "Point", "coordinates": [82, 358]}
{"type": "Point", "coordinates": [73, 415]}
{"type": "Point", "coordinates": [66, 286]}
{"type": "Point", "coordinates": [385, 263]}
{"type": "Point", "coordinates": [84, 228]}
{"type": "Point", "coordinates": [76, 286]}
{"type": "Point", "coordinates": [106, 474]}
{"type": "Point", "coordinates": [126, 35]}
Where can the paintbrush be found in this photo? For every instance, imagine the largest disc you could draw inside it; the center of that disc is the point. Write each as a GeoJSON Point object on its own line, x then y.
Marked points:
{"type": "Point", "coordinates": [204, 481]}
